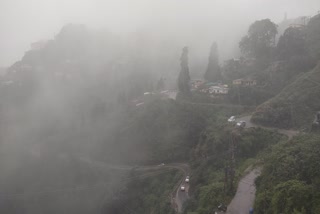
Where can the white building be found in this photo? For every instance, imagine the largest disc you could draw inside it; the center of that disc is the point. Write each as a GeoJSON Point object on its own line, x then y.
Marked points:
{"type": "Point", "coordinates": [218, 90]}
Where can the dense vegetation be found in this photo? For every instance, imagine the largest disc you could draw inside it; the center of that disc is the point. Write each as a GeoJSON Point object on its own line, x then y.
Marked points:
{"type": "Point", "coordinates": [150, 195]}
{"type": "Point", "coordinates": [290, 178]}
{"type": "Point", "coordinates": [297, 103]}
{"type": "Point", "coordinates": [72, 102]}
{"type": "Point", "coordinates": [212, 158]}
{"type": "Point", "coordinates": [162, 130]}
{"type": "Point", "coordinates": [295, 106]}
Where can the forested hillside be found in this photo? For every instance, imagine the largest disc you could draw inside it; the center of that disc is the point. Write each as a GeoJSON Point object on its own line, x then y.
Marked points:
{"type": "Point", "coordinates": [61, 106]}
{"type": "Point", "coordinates": [98, 122]}
{"type": "Point", "coordinates": [295, 106]}
{"type": "Point", "coordinates": [290, 179]}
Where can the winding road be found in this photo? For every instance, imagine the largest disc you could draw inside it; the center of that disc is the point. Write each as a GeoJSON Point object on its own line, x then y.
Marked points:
{"type": "Point", "coordinates": [244, 198]}
{"type": "Point", "coordinates": [178, 197]}
{"type": "Point", "coordinates": [242, 201]}
{"type": "Point", "coordinates": [245, 195]}
{"type": "Point", "coordinates": [288, 132]}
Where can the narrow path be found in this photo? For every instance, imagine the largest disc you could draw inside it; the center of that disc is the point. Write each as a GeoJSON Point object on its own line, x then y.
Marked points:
{"type": "Point", "coordinates": [244, 198]}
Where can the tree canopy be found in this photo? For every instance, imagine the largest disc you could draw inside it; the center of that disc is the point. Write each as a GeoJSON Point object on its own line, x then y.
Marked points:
{"type": "Point", "coordinates": [260, 38]}
{"type": "Point", "coordinates": [313, 36]}
{"type": "Point", "coordinates": [292, 43]}
{"type": "Point", "coordinates": [290, 178]}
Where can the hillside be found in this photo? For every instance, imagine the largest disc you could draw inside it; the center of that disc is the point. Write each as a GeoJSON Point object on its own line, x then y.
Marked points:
{"type": "Point", "coordinates": [295, 106]}
{"type": "Point", "coordinates": [290, 178]}
{"type": "Point", "coordinates": [86, 126]}
{"type": "Point", "coordinates": [62, 101]}
{"type": "Point", "coordinates": [162, 130]}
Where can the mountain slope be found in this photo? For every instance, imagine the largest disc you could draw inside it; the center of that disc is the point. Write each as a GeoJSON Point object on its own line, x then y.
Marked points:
{"type": "Point", "coordinates": [295, 105]}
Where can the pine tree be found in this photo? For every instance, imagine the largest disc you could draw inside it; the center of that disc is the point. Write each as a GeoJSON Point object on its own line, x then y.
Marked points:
{"type": "Point", "coordinates": [160, 84]}
{"type": "Point", "coordinates": [213, 73]}
{"type": "Point", "coordinates": [184, 76]}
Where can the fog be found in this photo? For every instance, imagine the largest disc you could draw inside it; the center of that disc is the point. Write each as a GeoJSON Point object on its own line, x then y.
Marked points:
{"type": "Point", "coordinates": [196, 23]}
{"type": "Point", "coordinates": [73, 103]}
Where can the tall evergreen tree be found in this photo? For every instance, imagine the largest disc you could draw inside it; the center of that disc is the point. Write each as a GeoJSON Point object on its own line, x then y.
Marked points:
{"type": "Point", "coordinates": [160, 84]}
{"type": "Point", "coordinates": [213, 72]}
{"type": "Point", "coordinates": [184, 76]}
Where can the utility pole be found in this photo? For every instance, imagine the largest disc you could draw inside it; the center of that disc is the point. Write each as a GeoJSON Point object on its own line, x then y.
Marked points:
{"type": "Point", "coordinates": [232, 164]}
{"type": "Point", "coordinates": [225, 179]}
{"type": "Point", "coordinates": [291, 113]}
{"type": "Point", "coordinates": [239, 99]}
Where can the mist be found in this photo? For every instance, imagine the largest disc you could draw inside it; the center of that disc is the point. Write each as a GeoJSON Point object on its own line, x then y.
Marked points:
{"type": "Point", "coordinates": [197, 24]}
{"type": "Point", "coordinates": [90, 96]}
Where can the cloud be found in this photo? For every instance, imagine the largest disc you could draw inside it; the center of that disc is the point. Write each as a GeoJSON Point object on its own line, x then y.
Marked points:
{"type": "Point", "coordinates": [26, 21]}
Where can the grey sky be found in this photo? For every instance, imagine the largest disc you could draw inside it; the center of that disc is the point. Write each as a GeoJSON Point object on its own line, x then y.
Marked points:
{"type": "Point", "coordinates": [26, 21]}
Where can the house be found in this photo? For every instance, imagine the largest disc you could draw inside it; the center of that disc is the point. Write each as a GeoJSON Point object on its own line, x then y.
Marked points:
{"type": "Point", "coordinates": [245, 82]}
{"type": "Point", "coordinates": [196, 84]}
{"type": "Point", "coordinates": [221, 89]}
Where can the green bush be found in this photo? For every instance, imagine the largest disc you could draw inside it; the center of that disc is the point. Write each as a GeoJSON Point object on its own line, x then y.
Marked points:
{"type": "Point", "coordinates": [290, 179]}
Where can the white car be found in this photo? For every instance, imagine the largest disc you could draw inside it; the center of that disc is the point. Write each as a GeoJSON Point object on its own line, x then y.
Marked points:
{"type": "Point", "coordinates": [182, 188]}
{"type": "Point", "coordinates": [241, 124]}
{"type": "Point", "coordinates": [232, 119]}
{"type": "Point", "coordinates": [187, 179]}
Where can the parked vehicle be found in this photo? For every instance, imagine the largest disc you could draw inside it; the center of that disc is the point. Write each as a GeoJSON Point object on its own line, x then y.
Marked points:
{"type": "Point", "coordinates": [187, 179]}
{"type": "Point", "coordinates": [232, 119]}
{"type": "Point", "coordinates": [182, 188]}
{"type": "Point", "coordinates": [241, 124]}
{"type": "Point", "coordinates": [222, 207]}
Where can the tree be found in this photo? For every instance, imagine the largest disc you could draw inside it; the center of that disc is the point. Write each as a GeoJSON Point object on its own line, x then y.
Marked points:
{"type": "Point", "coordinates": [184, 76]}
{"type": "Point", "coordinates": [160, 84]}
{"type": "Point", "coordinates": [292, 43]}
{"type": "Point", "coordinates": [213, 72]}
{"type": "Point", "coordinates": [291, 196]}
{"type": "Point", "coordinates": [260, 39]}
{"type": "Point", "coordinates": [292, 47]}
{"type": "Point", "coordinates": [313, 36]}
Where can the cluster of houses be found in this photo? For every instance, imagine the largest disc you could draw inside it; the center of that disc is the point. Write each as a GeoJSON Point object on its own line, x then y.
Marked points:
{"type": "Point", "coordinates": [245, 82]}
{"type": "Point", "coordinates": [209, 87]}
{"type": "Point", "coordinates": [219, 88]}
{"type": "Point", "coordinates": [213, 89]}
{"type": "Point", "coordinates": [165, 94]}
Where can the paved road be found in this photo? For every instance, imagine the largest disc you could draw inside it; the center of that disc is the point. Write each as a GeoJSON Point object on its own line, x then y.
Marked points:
{"type": "Point", "coordinates": [180, 197]}
{"type": "Point", "coordinates": [289, 133]}
{"type": "Point", "coordinates": [245, 195]}
{"type": "Point", "coordinates": [244, 198]}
